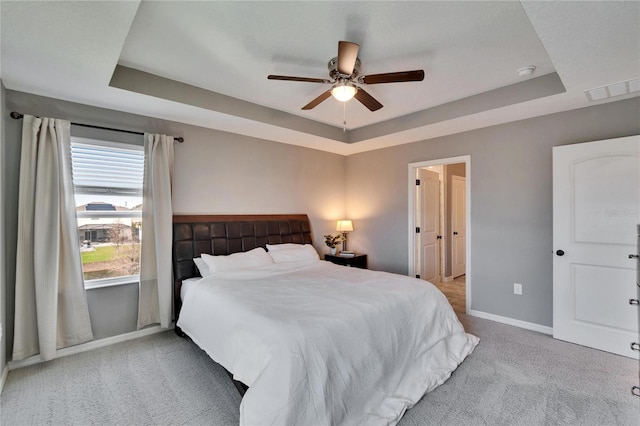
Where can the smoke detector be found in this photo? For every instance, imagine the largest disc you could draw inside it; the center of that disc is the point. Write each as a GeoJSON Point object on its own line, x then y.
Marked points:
{"type": "Point", "coordinates": [526, 71]}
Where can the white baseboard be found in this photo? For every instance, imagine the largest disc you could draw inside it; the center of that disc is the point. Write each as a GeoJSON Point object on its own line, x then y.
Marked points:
{"type": "Point", "coordinates": [514, 322]}
{"type": "Point", "coordinates": [94, 344]}
{"type": "Point", "coordinates": [3, 379]}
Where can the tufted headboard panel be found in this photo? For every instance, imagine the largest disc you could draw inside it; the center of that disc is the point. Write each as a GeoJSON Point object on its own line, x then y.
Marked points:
{"type": "Point", "coordinates": [227, 234]}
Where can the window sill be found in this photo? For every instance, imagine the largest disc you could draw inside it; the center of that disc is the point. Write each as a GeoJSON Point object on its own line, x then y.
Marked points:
{"type": "Point", "coordinates": [111, 282]}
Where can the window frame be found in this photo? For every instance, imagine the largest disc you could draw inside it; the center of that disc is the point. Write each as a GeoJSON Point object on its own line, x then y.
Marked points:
{"type": "Point", "coordinates": [102, 214]}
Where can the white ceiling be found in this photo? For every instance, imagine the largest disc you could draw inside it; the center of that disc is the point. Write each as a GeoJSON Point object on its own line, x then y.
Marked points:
{"type": "Point", "coordinates": [69, 50]}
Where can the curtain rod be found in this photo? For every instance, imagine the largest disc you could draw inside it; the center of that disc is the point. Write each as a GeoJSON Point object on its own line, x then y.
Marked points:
{"type": "Point", "coordinates": [17, 116]}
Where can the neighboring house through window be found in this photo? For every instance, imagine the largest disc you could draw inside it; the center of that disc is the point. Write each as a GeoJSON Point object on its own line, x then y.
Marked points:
{"type": "Point", "coordinates": [107, 178]}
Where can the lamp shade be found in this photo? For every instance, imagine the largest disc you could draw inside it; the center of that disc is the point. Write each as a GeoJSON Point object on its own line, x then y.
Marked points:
{"type": "Point", "coordinates": [344, 226]}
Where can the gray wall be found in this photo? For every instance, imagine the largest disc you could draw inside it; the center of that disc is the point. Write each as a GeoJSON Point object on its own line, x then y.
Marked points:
{"type": "Point", "coordinates": [113, 310]}
{"type": "Point", "coordinates": [215, 172]}
{"type": "Point", "coordinates": [218, 172]}
{"type": "Point", "coordinates": [511, 195]}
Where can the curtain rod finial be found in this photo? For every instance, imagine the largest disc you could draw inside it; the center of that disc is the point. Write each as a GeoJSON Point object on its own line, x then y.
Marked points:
{"type": "Point", "coordinates": [16, 115]}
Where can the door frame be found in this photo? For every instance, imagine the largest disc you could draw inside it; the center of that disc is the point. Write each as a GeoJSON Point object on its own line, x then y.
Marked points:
{"type": "Point", "coordinates": [466, 159]}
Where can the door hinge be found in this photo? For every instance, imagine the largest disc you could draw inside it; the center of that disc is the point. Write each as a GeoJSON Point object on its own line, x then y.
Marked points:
{"type": "Point", "coordinates": [417, 229]}
{"type": "Point", "coordinates": [418, 182]}
{"type": "Point", "coordinates": [417, 276]}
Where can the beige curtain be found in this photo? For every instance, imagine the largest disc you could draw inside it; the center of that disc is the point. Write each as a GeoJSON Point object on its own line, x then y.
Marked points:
{"type": "Point", "coordinates": [51, 309]}
{"type": "Point", "coordinates": [156, 282]}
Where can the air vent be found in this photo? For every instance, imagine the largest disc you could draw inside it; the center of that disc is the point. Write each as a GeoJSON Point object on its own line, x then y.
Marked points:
{"type": "Point", "coordinates": [613, 90]}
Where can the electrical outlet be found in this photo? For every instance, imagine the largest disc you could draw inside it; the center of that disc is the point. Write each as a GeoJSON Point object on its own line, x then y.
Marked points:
{"type": "Point", "coordinates": [517, 289]}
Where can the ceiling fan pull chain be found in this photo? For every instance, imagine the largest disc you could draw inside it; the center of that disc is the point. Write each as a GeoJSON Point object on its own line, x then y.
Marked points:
{"type": "Point", "coordinates": [344, 116]}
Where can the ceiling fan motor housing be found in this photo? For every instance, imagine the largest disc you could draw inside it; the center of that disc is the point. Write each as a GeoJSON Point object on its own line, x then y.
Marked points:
{"type": "Point", "coordinates": [335, 74]}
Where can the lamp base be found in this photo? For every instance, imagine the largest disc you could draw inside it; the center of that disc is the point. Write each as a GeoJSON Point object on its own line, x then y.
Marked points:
{"type": "Point", "coordinates": [344, 241]}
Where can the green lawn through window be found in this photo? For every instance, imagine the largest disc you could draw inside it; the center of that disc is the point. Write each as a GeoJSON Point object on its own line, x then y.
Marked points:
{"type": "Point", "coordinates": [101, 254]}
{"type": "Point", "coordinates": [111, 261]}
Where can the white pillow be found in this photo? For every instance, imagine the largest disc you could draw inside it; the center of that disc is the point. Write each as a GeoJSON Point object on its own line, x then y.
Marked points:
{"type": "Point", "coordinates": [285, 246]}
{"type": "Point", "coordinates": [303, 253]}
{"type": "Point", "coordinates": [202, 267]}
{"type": "Point", "coordinates": [256, 257]}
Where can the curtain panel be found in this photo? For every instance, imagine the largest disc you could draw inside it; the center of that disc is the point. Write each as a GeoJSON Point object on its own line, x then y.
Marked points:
{"type": "Point", "coordinates": [51, 310]}
{"type": "Point", "coordinates": [156, 283]}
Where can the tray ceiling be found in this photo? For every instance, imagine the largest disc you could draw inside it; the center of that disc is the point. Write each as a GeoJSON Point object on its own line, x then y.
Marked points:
{"type": "Point", "coordinates": [205, 63]}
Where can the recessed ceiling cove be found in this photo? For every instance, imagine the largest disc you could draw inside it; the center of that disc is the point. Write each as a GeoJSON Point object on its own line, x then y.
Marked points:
{"type": "Point", "coordinates": [228, 48]}
{"type": "Point", "coordinates": [206, 63]}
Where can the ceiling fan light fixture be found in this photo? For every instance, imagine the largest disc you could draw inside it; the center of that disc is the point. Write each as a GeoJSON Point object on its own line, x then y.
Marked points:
{"type": "Point", "coordinates": [344, 91]}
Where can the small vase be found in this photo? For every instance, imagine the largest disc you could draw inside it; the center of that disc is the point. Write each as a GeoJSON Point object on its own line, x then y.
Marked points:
{"type": "Point", "coordinates": [332, 250]}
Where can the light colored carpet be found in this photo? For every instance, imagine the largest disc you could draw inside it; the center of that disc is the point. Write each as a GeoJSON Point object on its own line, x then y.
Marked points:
{"type": "Point", "coordinates": [157, 380]}
{"type": "Point", "coordinates": [520, 377]}
{"type": "Point", "coordinates": [514, 377]}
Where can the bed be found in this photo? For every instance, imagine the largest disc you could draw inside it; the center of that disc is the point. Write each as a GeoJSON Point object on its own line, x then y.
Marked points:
{"type": "Point", "coordinates": [313, 343]}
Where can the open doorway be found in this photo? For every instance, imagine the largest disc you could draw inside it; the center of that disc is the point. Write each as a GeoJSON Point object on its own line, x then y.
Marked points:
{"type": "Point", "coordinates": [439, 227]}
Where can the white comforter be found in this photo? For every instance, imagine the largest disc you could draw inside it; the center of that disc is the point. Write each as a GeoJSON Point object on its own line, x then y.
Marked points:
{"type": "Point", "coordinates": [322, 344]}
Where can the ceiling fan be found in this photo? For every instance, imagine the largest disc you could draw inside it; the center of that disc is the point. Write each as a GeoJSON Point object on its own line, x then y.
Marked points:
{"type": "Point", "coordinates": [344, 72]}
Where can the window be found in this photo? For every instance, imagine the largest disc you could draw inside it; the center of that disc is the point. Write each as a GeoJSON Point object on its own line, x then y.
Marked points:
{"type": "Point", "coordinates": [107, 178]}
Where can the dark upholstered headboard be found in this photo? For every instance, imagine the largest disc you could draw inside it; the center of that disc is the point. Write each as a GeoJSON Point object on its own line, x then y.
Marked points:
{"type": "Point", "coordinates": [227, 234]}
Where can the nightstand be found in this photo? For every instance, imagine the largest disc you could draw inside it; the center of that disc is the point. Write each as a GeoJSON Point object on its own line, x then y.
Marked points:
{"type": "Point", "coordinates": [359, 260]}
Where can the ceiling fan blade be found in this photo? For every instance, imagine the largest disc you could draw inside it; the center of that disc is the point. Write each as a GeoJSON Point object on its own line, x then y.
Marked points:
{"type": "Point", "coordinates": [314, 103]}
{"type": "Point", "coordinates": [367, 100]}
{"type": "Point", "coordinates": [304, 79]}
{"type": "Point", "coordinates": [393, 77]}
{"type": "Point", "coordinates": [347, 55]}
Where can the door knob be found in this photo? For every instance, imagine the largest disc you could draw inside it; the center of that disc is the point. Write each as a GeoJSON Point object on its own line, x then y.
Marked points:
{"type": "Point", "coordinates": [560, 252]}
{"type": "Point", "coordinates": [439, 237]}
{"type": "Point", "coordinates": [455, 233]}
{"type": "Point", "coordinates": [634, 302]}
{"type": "Point", "coordinates": [633, 256]}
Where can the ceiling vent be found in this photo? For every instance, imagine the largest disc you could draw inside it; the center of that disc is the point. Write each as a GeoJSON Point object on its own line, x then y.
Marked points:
{"type": "Point", "coordinates": [613, 89]}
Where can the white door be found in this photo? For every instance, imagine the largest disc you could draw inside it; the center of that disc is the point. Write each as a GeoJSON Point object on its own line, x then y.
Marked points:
{"type": "Point", "coordinates": [429, 225]}
{"type": "Point", "coordinates": [596, 206]}
{"type": "Point", "coordinates": [458, 226]}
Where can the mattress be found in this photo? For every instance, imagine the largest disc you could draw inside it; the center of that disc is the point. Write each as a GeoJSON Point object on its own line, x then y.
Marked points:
{"type": "Point", "coordinates": [322, 344]}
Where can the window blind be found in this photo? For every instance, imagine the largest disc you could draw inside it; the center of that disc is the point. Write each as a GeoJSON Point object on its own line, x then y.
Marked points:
{"type": "Point", "coordinates": [107, 169]}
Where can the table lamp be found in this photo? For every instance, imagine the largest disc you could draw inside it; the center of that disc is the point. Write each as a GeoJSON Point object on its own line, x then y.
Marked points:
{"type": "Point", "coordinates": [344, 226]}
